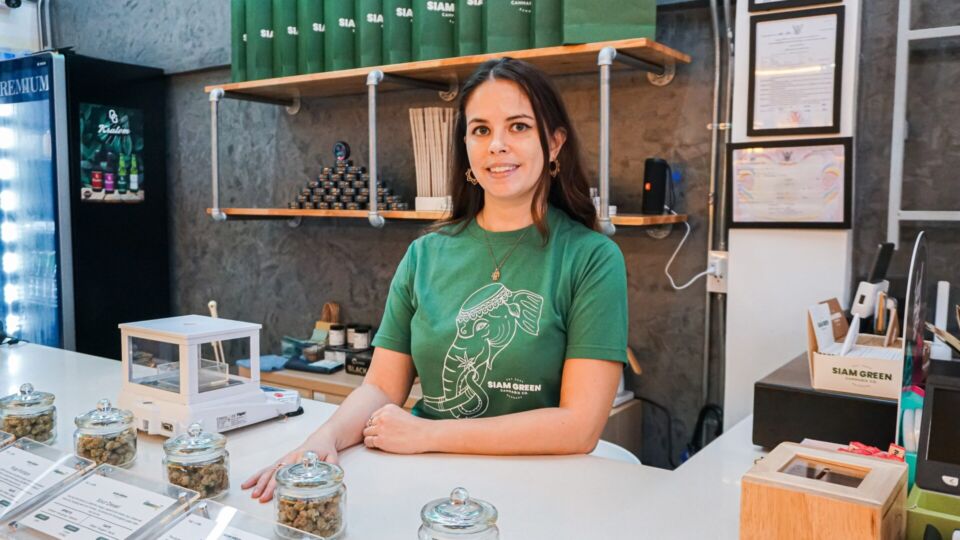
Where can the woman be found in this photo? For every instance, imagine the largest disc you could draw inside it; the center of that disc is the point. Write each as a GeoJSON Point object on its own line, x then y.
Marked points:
{"type": "Point", "coordinates": [513, 312]}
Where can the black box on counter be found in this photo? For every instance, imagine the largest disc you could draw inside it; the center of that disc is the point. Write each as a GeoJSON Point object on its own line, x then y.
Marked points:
{"type": "Point", "coordinates": [786, 408]}
{"type": "Point", "coordinates": [359, 362]}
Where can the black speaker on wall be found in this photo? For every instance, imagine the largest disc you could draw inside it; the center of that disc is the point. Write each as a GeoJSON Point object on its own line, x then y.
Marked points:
{"type": "Point", "coordinates": [656, 174]}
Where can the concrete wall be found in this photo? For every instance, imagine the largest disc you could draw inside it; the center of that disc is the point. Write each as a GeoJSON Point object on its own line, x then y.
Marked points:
{"type": "Point", "coordinates": [179, 36]}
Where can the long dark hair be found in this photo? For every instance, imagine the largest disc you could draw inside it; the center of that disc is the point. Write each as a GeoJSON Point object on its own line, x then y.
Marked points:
{"type": "Point", "coordinates": [569, 191]}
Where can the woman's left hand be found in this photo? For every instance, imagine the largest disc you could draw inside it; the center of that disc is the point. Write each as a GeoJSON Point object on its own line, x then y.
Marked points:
{"type": "Point", "coordinates": [395, 430]}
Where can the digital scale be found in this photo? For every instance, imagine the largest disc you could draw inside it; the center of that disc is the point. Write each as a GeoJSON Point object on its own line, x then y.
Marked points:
{"type": "Point", "coordinates": [176, 372]}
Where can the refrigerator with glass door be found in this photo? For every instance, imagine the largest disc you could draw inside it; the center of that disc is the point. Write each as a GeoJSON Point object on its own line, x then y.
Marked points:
{"type": "Point", "coordinates": [83, 217]}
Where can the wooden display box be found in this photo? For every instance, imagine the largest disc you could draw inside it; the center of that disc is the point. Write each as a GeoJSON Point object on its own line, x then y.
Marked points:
{"type": "Point", "coordinates": [804, 493]}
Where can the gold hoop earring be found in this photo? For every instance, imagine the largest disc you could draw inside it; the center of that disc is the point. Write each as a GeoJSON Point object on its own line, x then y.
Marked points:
{"type": "Point", "coordinates": [470, 177]}
{"type": "Point", "coordinates": [554, 168]}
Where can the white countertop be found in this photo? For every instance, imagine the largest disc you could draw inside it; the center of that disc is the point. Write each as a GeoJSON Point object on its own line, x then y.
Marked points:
{"type": "Point", "coordinates": [537, 497]}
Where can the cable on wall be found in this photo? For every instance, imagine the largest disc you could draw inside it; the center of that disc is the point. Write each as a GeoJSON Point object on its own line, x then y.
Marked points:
{"type": "Point", "coordinates": [711, 268]}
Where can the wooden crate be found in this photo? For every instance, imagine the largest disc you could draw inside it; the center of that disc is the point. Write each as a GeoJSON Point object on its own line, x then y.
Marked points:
{"type": "Point", "coordinates": [802, 493]}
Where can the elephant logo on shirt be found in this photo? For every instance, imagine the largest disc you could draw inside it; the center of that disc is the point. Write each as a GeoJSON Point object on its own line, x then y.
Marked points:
{"type": "Point", "coordinates": [486, 325]}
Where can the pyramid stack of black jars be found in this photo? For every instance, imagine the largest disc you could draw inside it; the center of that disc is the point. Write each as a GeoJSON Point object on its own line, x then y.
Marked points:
{"type": "Point", "coordinates": [345, 187]}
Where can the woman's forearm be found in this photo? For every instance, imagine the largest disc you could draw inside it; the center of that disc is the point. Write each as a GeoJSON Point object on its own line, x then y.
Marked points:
{"type": "Point", "coordinates": [346, 424]}
{"type": "Point", "coordinates": [541, 431]}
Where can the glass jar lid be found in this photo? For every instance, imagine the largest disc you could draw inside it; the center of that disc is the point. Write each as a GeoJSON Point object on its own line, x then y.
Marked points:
{"type": "Point", "coordinates": [104, 419]}
{"type": "Point", "coordinates": [195, 443]}
{"type": "Point", "coordinates": [26, 400]}
{"type": "Point", "coordinates": [311, 474]}
{"type": "Point", "coordinates": [459, 513]}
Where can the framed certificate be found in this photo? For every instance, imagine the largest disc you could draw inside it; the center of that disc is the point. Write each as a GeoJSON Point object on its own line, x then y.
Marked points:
{"type": "Point", "coordinates": [791, 184]}
{"type": "Point", "coordinates": [767, 5]}
{"type": "Point", "coordinates": [796, 63]}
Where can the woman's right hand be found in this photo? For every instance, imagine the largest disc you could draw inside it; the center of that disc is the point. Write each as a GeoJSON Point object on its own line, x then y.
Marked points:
{"type": "Point", "coordinates": [264, 481]}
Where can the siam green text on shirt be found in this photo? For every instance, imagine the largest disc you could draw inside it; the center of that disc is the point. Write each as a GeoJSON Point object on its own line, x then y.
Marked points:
{"type": "Point", "coordinates": [486, 348]}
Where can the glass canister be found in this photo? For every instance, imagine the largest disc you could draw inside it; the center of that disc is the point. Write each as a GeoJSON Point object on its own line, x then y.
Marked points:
{"type": "Point", "coordinates": [458, 518]}
{"type": "Point", "coordinates": [29, 413]}
{"type": "Point", "coordinates": [106, 435]}
{"type": "Point", "coordinates": [198, 460]}
{"type": "Point", "coordinates": [311, 497]}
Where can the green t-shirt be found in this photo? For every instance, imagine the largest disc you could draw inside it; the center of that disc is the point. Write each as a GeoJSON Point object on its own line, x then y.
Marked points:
{"type": "Point", "coordinates": [486, 348]}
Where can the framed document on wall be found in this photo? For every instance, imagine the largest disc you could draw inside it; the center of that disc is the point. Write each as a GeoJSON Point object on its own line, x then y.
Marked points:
{"type": "Point", "coordinates": [767, 5]}
{"type": "Point", "coordinates": [804, 183]}
{"type": "Point", "coordinates": [796, 63]}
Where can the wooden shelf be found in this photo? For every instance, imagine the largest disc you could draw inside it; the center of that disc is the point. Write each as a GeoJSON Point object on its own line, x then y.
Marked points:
{"type": "Point", "coordinates": [624, 220]}
{"type": "Point", "coordinates": [641, 220]}
{"type": "Point", "coordinates": [561, 60]}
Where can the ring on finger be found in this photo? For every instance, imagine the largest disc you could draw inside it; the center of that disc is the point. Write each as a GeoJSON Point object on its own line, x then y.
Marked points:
{"type": "Point", "coordinates": [370, 422]}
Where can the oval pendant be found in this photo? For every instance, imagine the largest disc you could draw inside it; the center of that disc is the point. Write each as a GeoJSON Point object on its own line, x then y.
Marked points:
{"type": "Point", "coordinates": [495, 275]}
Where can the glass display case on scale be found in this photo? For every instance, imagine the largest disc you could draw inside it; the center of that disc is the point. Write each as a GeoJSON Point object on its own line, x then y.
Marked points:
{"type": "Point", "coordinates": [176, 372]}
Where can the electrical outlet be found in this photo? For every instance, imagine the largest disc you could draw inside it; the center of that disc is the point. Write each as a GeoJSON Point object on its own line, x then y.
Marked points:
{"type": "Point", "coordinates": [717, 281]}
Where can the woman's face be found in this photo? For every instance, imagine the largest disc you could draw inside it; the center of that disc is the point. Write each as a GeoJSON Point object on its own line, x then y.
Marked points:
{"type": "Point", "coordinates": [503, 141]}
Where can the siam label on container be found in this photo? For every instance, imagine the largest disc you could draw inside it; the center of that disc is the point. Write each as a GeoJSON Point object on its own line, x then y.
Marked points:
{"type": "Point", "coordinates": [24, 475]}
{"type": "Point", "coordinates": [98, 508]}
{"type": "Point", "coordinates": [199, 528]}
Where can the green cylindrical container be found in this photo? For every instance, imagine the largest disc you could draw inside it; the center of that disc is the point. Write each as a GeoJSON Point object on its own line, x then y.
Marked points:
{"type": "Point", "coordinates": [338, 48]}
{"type": "Point", "coordinates": [310, 41]}
{"type": "Point", "coordinates": [546, 28]}
{"type": "Point", "coordinates": [506, 25]}
{"type": "Point", "coordinates": [433, 28]}
{"type": "Point", "coordinates": [397, 31]}
{"type": "Point", "coordinates": [259, 39]}
{"type": "Point", "coordinates": [620, 19]}
{"type": "Point", "coordinates": [469, 27]}
{"type": "Point", "coordinates": [238, 40]}
{"type": "Point", "coordinates": [284, 38]}
{"type": "Point", "coordinates": [369, 37]}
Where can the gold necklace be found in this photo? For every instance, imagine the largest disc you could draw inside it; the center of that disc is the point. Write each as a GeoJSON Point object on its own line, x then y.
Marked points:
{"type": "Point", "coordinates": [497, 266]}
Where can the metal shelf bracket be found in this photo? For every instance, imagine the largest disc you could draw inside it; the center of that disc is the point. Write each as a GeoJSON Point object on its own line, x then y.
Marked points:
{"type": "Point", "coordinates": [665, 78]}
{"type": "Point", "coordinates": [292, 106]}
{"type": "Point", "coordinates": [448, 92]}
{"type": "Point", "coordinates": [605, 60]}
{"type": "Point", "coordinates": [215, 96]}
{"type": "Point", "coordinates": [659, 75]}
{"type": "Point", "coordinates": [374, 78]}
